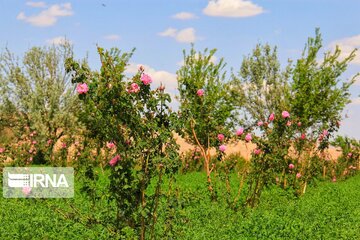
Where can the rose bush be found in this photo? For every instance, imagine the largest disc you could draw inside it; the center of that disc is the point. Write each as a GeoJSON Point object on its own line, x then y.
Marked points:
{"type": "Point", "coordinates": [136, 123]}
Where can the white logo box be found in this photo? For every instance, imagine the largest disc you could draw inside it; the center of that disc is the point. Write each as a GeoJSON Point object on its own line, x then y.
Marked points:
{"type": "Point", "coordinates": [38, 182]}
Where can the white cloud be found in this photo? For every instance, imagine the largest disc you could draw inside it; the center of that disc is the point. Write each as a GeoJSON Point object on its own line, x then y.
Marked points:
{"type": "Point", "coordinates": [49, 16]}
{"type": "Point", "coordinates": [159, 76]}
{"type": "Point", "coordinates": [112, 37]}
{"type": "Point", "coordinates": [187, 35]}
{"type": "Point", "coordinates": [232, 8]}
{"type": "Point", "coordinates": [184, 16]}
{"type": "Point", "coordinates": [347, 45]}
{"type": "Point", "coordinates": [355, 101]}
{"type": "Point", "coordinates": [58, 41]}
{"type": "Point", "coordinates": [170, 32]}
{"type": "Point", "coordinates": [36, 4]}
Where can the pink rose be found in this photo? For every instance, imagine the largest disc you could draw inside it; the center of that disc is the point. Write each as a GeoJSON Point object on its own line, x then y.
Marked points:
{"type": "Point", "coordinates": [334, 179]}
{"type": "Point", "coordinates": [299, 124]}
{"type": "Point", "coordinates": [82, 88]}
{"type": "Point", "coordinates": [26, 190]}
{"type": "Point", "coordinates": [248, 137]}
{"type": "Point", "coordinates": [222, 148]}
{"type": "Point", "coordinates": [260, 123]}
{"type": "Point", "coordinates": [303, 136]}
{"type": "Point", "coordinates": [288, 123]}
{"type": "Point", "coordinates": [2, 150]}
{"type": "Point", "coordinates": [114, 161]}
{"type": "Point", "coordinates": [220, 137]}
{"type": "Point", "coordinates": [134, 88]}
{"type": "Point", "coordinates": [200, 92]}
{"type": "Point", "coordinates": [34, 142]}
{"type": "Point", "coordinates": [257, 151]}
{"type": "Point", "coordinates": [49, 141]}
{"type": "Point", "coordinates": [291, 166]}
{"type": "Point", "coordinates": [146, 79]}
{"type": "Point", "coordinates": [285, 114]}
{"type": "Point", "coordinates": [240, 131]}
{"type": "Point", "coordinates": [63, 145]}
{"type": "Point", "coordinates": [325, 132]}
{"type": "Point", "coordinates": [298, 175]}
{"type": "Point", "coordinates": [349, 154]}
{"type": "Point", "coordinates": [161, 88]}
{"type": "Point", "coordinates": [272, 117]}
{"type": "Point", "coordinates": [110, 145]}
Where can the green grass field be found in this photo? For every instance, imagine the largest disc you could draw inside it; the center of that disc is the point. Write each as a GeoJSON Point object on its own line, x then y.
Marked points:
{"type": "Point", "coordinates": [327, 211]}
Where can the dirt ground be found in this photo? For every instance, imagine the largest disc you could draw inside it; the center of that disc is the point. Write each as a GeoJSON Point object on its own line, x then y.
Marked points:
{"type": "Point", "coordinates": [245, 149]}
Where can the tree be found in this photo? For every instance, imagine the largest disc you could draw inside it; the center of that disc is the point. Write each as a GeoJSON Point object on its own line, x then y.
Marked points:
{"type": "Point", "coordinates": [207, 103]}
{"type": "Point", "coordinates": [318, 93]}
{"type": "Point", "coordinates": [299, 106]}
{"type": "Point", "coordinates": [263, 84]}
{"type": "Point", "coordinates": [265, 88]}
{"type": "Point", "coordinates": [37, 98]}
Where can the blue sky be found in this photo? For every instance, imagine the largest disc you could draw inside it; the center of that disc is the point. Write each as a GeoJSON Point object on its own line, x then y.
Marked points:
{"type": "Point", "coordinates": [161, 29]}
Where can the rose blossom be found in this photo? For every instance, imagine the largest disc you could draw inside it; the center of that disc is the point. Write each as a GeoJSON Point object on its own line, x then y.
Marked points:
{"type": "Point", "coordinates": [26, 190]}
{"type": "Point", "coordinates": [303, 136]}
{"type": "Point", "coordinates": [82, 88]}
{"type": "Point", "coordinates": [285, 114]}
{"type": "Point", "coordinates": [200, 92]}
{"type": "Point", "coordinates": [114, 160]}
{"type": "Point", "coordinates": [248, 137]}
{"type": "Point", "coordinates": [260, 123]}
{"type": "Point", "coordinates": [2, 150]}
{"type": "Point", "coordinates": [298, 175]}
{"type": "Point", "coordinates": [161, 88]}
{"type": "Point", "coordinates": [134, 88]}
{"type": "Point", "coordinates": [220, 137]}
{"type": "Point", "coordinates": [146, 79]}
{"type": "Point", "coordinates": [257, 151]}
{"type": "Point", "coordinates": [240, 131]}
{"type": "Point", "coordinates": [272, 117]}
{"type": "Point", "coordinates": [110, 145]}
{"type": "Point", "coordinates": [291, 166]}
{"type": "Point", "coordinates": [222, 148]}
